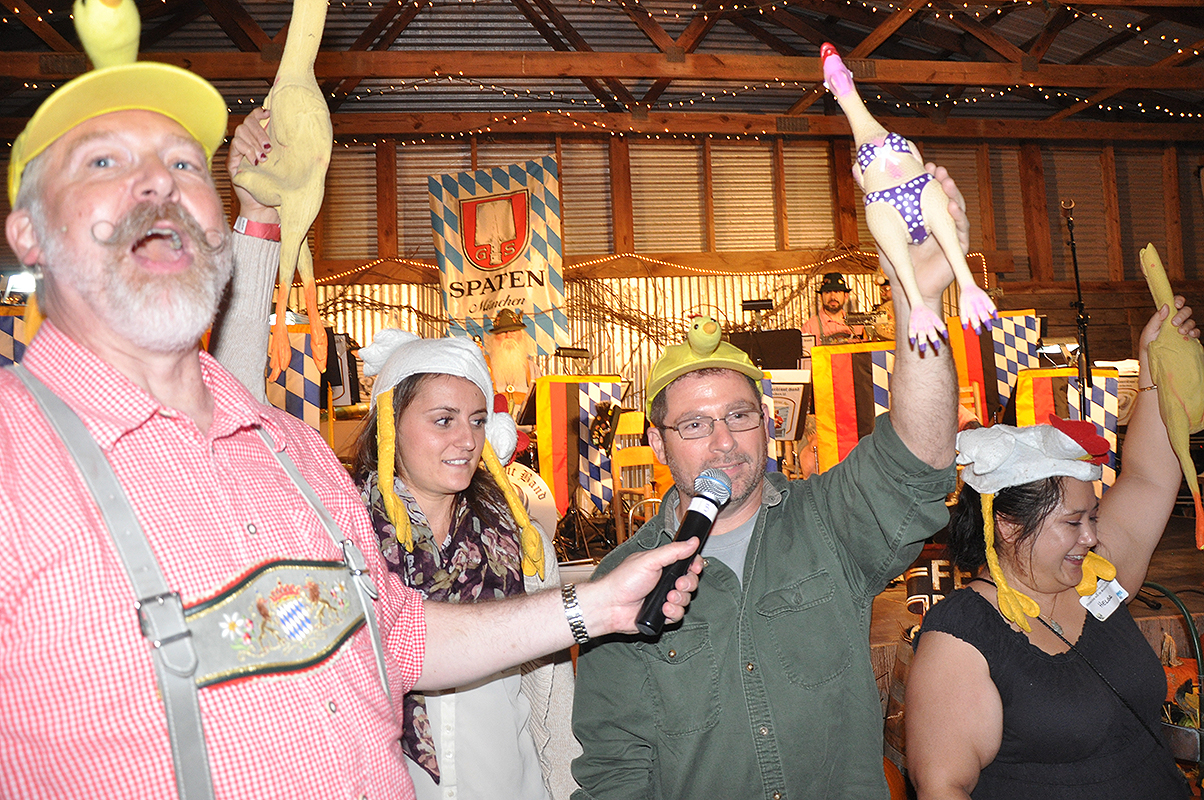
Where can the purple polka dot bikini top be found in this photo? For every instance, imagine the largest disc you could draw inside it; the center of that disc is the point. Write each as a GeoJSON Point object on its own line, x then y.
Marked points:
{"type": "Point", "coordinates": [868, 151]}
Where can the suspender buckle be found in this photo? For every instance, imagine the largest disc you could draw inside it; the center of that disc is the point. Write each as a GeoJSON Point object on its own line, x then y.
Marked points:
{"type": "Point", "coordinates": [161, 618]}
{"type": "Point", "coordinates": [359, 569]}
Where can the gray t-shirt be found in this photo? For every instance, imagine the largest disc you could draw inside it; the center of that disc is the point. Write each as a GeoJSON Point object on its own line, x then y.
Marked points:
{"type": "Point", "coordinates": [731, 547]}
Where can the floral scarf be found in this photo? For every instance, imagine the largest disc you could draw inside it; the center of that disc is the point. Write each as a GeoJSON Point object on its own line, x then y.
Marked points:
{"type": "Point", "coordinates": [478, 563]}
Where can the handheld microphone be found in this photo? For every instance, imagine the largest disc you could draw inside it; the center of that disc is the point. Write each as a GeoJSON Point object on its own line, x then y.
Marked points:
{"type": "Point", "coordinates": [712, 490]}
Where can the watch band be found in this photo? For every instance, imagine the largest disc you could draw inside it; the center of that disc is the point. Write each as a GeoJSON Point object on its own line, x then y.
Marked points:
{"type": "Point", "coordinates": [572, 612]}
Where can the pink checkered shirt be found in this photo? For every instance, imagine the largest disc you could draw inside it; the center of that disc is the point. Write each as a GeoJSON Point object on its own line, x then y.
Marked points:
{"type": "Point", "coordinates": [79, 711]}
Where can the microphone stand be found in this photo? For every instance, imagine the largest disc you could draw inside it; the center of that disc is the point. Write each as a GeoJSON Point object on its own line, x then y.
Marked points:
{"type": "Point", "coordinates": [1081, 319]}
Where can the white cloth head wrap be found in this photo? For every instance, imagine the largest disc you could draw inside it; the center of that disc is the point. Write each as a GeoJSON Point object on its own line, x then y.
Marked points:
{"type": "Point", "coordinates": [395, 355]}
{"type": "Point", "coordinates": [1001, 456]}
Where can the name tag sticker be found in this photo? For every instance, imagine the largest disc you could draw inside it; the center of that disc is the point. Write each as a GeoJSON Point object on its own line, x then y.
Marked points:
{"type": "Point", "coordinates": [1107, 598]}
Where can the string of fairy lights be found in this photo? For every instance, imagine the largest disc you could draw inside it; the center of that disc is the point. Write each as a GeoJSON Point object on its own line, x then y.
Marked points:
{"type": "Point", "coordinates": [844, 255]}
{"type": "Point", "coordinates": [658, 8]}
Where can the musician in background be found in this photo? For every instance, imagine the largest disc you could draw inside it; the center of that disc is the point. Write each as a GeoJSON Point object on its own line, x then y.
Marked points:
{"type": "Point", "coordinates": [884, 325]}
{"type": "Point", "coordinates": [828, 324]}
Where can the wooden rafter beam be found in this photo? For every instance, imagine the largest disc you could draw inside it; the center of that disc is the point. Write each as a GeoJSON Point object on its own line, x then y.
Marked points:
{"type": "Point", "coordinates": [238, 25]}
{"type": "Point", "coordinates": [765, 37]}
{"type": "Point", "coordinates": [408, 64]}
{"type": "Point", "coordinates": [578, 42]}
{"type": "Point", "coordinates": [644, 20]}
{"type": "Point", "coordinates": [704, 123]}
{"type": "Point", "coordinates": [185, 15]}
{"type": "Point", "coordinates": [695, 31]}
{"type": "Point", "coordinates": [984, 34]}
{"type": "Point", "coordinates": [32, 19]}
{"type": "Point", "coordinates": [602, 124]}
{"type": "Point", "coordinates": [911, 32]}
{"type": "Point", "coordinates": [1170, 62]}
{"type": "Point", "coordinates": [1055, 23]}
{"type": "Point", "coordinates": [392, 20]}
{"type": "Point", "coordinates": [867, 46]}
{"type": "Point", "coordinates": [1113, 42]}
{"type": "Point", "coordinates": [917, 103]}
{"type": "Point", "coordinates": [552, 37]}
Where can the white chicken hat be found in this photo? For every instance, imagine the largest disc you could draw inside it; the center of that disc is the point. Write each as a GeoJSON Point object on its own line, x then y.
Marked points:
{"type": "Point", "coordinates": [109, 31]}
{"type": "Point", "coordinates": [395, 355]}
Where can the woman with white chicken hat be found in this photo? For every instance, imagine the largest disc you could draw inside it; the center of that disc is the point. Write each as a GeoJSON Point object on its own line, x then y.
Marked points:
{"type": "Point", "coordinates": [1034, 681]}
{"type": "Point", "coordinates": [459, 534]}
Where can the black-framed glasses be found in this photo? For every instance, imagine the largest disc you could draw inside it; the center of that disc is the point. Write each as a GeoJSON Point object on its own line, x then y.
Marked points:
{"type": "Point", "coordinates": [702, 427]}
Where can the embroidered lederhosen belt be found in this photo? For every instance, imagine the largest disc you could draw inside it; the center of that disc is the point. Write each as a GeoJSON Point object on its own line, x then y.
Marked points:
{"type": "Point", "coordinates": [281, 616]}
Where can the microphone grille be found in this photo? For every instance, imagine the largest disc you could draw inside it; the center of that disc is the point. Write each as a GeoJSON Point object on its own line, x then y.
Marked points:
{"type": "Point", "coordinates": [713, 483]}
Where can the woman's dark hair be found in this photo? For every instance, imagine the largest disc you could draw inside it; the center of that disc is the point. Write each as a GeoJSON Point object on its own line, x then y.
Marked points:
{"type": "Point", "coordinates": [484, 496]}
{"type": "Point", "coordinates": [1026, 505]}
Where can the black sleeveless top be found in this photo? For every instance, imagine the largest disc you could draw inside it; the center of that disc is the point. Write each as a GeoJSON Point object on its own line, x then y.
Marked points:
{"type": "Point", "coordinates": [1066, 736]}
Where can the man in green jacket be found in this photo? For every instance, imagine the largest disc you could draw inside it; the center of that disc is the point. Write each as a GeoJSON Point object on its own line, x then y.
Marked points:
{"type": "Point", "coordinates": [765, 689]}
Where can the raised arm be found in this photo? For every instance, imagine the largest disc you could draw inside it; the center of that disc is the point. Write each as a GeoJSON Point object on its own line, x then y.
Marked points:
{"type": "Point", "coordinates": [468, 642]}
{"type": "Point", "coordinates": [923, 392]}
{"type": "Point", "coordinates": [1134, 512]}
{"type": "Point", "coordinates": [954, 717]}
{"type": "Point", "coordinates": [240, 332]}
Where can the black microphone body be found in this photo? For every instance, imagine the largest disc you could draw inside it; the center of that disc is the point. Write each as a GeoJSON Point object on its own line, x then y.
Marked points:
{"type": "Point", "coordinates": [712, 490]}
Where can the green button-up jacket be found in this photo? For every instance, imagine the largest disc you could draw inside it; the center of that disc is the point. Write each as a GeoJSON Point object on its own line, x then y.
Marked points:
{"type": "Point", "coordinates": [765, 689]}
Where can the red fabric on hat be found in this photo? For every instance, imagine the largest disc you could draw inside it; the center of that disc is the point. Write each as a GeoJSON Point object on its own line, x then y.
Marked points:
{"type": "Point", "coordinates": [1085, 435]}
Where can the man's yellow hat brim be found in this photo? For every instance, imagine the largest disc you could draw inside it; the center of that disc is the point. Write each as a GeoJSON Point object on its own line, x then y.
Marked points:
{"type": "Point", "coordinates": [177, 94]}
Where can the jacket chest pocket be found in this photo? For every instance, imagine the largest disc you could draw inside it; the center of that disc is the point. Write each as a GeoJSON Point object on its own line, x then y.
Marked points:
{"type": "Point", "coordinates": [684, 680]}
{"type": "Point", "coordinates": [807, 631]}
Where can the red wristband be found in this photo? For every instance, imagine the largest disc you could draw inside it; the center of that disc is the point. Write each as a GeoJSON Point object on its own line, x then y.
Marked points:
{"type": "Point", "coordinates": [259, 230]}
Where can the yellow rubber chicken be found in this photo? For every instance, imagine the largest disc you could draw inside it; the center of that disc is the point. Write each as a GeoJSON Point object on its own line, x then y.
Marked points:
{"type": "Point", "coordinates": [109, 30]}
{"type": "Point", "coordinates": [293, 177]}
{"type": "Point", "coordinates": [1177, 367]}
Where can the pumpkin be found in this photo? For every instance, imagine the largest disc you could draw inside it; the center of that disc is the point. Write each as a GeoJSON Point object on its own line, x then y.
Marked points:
{"type": "Point", "coordinates": [1178, 670]}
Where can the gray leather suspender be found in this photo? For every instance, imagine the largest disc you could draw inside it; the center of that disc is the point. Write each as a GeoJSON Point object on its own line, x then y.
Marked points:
{"type": "Point", "coordinates": [351, 555]}
{"type": "Point", "coordinates": [160, 610]}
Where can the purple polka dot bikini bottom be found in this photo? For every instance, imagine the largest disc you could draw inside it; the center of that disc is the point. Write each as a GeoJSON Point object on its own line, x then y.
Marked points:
{"type": "Point", "coordinates": [905, 199]}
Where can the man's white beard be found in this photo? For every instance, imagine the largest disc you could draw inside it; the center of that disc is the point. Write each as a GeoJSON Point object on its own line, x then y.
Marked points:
{"type": "Point", "coordinates": [162, 313]}
{"type": "Point", "coordinates": [508, 356]}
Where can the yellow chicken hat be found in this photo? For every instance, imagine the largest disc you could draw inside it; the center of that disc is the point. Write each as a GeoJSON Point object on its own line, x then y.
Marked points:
{"type": "Point", "coordinates": [109, 31]}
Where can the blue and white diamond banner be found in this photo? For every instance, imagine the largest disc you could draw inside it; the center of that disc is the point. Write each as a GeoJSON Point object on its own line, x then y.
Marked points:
{"type": "Point", "coordinates": [12, 335]}
{"type": "Point", "coordinates": [594, 464]}
{"type": "Point", "coordinates": [297, 389]}
{"type": "Point", "coordinates": [1103, 405]}
{"type": "Point", "coordinates": [497, 242]}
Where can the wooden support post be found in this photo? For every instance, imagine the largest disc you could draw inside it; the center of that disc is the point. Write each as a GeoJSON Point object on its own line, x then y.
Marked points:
{"type": "Point", "coordinates": [620, 196]}
{"type": "Point", "coordinates": [1116, 256]}
{"type": "Point", "coordinates": [386, 198]}
{"type": "Point", "coordinates": [781, 226]}
{"type": "Point", "coordinates": [1036, 215]}
{"type": "Point", "coordinates": [844, 192]}
{"type": "Point", "coordinates": [1174, 213]}
{"type": "Point", "coordinates": [708, 198]}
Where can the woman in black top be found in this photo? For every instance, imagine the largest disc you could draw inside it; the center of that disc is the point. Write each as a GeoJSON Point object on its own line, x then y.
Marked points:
{"type": "Point", "coordinates": [1016, 689]}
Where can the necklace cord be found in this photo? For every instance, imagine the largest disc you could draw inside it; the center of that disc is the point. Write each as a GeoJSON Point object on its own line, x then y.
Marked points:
{"type": "Point", "coordinates": [1087, 661]}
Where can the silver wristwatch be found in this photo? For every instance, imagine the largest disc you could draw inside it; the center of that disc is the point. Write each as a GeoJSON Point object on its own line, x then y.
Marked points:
{"type": "Point", "coordinates": [572, 612]}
